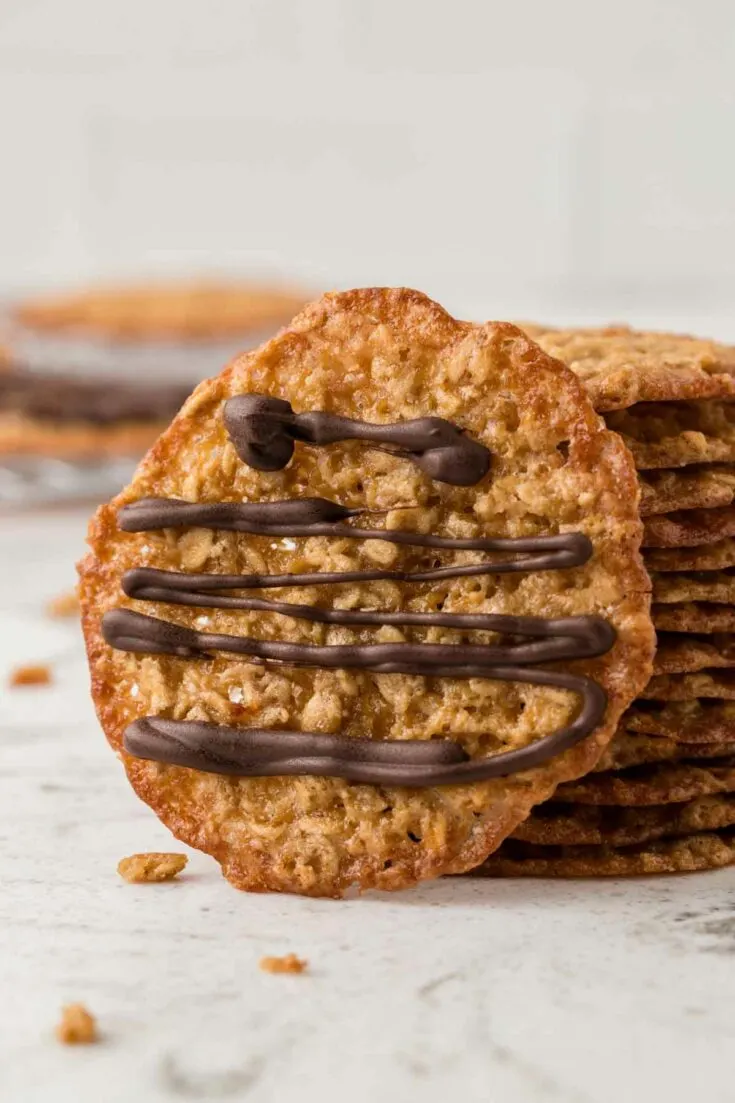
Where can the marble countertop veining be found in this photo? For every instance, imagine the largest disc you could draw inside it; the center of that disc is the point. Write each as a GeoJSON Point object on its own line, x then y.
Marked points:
{"type": "Point", "coordinates": [498, 992]}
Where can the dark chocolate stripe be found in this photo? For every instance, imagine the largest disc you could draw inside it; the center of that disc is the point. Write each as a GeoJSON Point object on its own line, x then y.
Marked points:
{"type": "Point", "coordinates": [260, 753]}
{"type": "Point", "coordinates": [264, 429]}
{"type": "Point", "coordinates": [216, 749]}
{"type": "Point", "coordinates": [583, 637]}
{"type": "Point", "coordinates": [571, 637]}
{"type": "Point", "coordinates": [320, 517]}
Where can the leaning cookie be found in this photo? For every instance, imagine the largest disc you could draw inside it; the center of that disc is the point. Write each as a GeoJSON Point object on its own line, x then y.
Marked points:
{"type": "Point", "coordinates": [460, 611]}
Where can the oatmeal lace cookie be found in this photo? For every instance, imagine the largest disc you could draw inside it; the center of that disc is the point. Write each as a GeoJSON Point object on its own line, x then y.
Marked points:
{"type": "Point", "coordinates": [372, 596]}
{"type": "Point", "coordinates": [688, 854]}
{"type": "Point", "coordinates": [621, 367]}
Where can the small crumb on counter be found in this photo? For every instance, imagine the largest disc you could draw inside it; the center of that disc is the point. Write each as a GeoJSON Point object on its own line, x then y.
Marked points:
{"type": "Point", "coordinates": [151, 867]}
{"type": "Point", "coordinates": [64, 605]}
{"type": "Point", "coordinates": [30, 676]}
{"type": "Point", "coordinates": [288, 964]}
{"type": "Point", "coordinates": [77, 1027]}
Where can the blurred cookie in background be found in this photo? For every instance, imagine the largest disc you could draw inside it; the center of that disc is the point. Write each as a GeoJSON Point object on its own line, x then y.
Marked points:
{"type": "Point", "coordinates": [160, 312]}
{"type": "Point", "coordinates": [69, 416]}
{"type": "Point", "coordinates": [88, 380]}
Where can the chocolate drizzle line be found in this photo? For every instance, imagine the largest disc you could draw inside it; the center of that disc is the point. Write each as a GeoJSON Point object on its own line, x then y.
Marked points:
{"type": "Point", "coordinates": [566, 637]}
{"type": "Point", "coordinates": [252, 752]}
{"type": "Point", "coordinates": [264, 429]}
{"type": "Point", "coordinates": [585, 637]}
{"type": "Point", "coordinates": [320, 517]}
{"type": "Point", "coordinates": [231, 750]}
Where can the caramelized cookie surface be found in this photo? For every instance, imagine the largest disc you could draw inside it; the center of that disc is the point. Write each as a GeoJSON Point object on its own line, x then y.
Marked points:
{"type": "Point", "coordinates": [406, 554]}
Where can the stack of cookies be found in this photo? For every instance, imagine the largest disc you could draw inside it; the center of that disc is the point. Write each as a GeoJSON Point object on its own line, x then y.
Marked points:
{"type": "Point", "coordinates": [374, 608]}
{"type": "Point", "coordinates": [662, 798]}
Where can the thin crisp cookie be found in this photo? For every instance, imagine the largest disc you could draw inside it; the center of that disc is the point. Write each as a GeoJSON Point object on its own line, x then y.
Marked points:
{"type": "Point", "coordinates": [686, 488]}
{"type": "Point", "coordinates": [699, 721]}
{"type": "Point", "coordinates": [709, 850]}
{"type": "Point", "coordinates": [694, 616]}
{"type": "Point", "coordinates": [687, 687]}
{"type": "Point", "coordinates": [556, 824]}
{"type": "Point", "coordinates": [334, 582]}
{"type": "Point", "coordinates": [681, 653]}
{"type": "Point", "coordinates": [715, 586]}
{"type": "Point", "coordinates": [638, 749]}
{"type": "Point", "coordinates": [678, 433]}
{"type": "Point", "coordinates": [707, 557]}
{"type": "Point", "coordinates": [662, 783]}
{"type": "Point", "coordinates": [689, 528]}
{"type": "Point", "coordinates": [622, 367]}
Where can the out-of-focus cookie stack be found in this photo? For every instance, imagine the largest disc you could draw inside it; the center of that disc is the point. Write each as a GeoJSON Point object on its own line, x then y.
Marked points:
{"type": "Point", "coordinates": [662, 799]}
{"type": "Point", "coordinates": [91, 379]}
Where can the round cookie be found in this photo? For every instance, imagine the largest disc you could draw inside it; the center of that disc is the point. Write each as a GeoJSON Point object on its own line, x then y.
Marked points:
{"type": "Point", "coordinates": [696, 617]}
{"type": "Point", "coordinates": [708, 557]}
{"type": "Point", "coordinates": [689, 527]}
{"type": "Point", "coordinates": [714, 586]}
{"type": "Point", "coordinates": [555, 824]}
{"type": "Point", "coordinates": [687, 687]}
{"type": "Point", "coordinates": [679, 653]}
{"type": "Point", "coordinates": [101, 373]}
{"type": "Point", "coordinates": [686, 488]}
{"type": "Point", "coordinates": [163, 311]}
{"type": "Point", "coordinates": [677, 434]}
{"type": "Point", "coordinates": [655, 784]}
{"type": "Point", "coordinates": [621, 367]}
{"type": "Point", "coordinates": [387, 649]}
{"type": "Point", "coordinates": [698, 721]}
{"type": "Point", "coordinates": [708, 850]}
{"type": "Point", "coordinates": [637, 749]}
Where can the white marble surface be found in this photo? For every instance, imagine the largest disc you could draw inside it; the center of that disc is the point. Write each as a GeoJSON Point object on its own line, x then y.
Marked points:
{"type": "Point", "coordinates": [496, 992]}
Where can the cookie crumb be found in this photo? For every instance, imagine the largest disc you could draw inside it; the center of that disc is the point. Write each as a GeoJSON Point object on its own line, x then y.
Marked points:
{"type": "Point", "coordinates": [31, 676]}
{"type": "Point", "coordinates": [64, 605]}
{"type": "Point", "coordinates": [77, 1027]}
{"type": "Point", "coordinates": [288, 964]}
{"type": "Point", "coordinates": [151, 867]}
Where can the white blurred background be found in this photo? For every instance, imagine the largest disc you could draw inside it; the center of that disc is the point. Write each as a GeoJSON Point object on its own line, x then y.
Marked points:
{"type": "Point", "coordinates": [553, 160]}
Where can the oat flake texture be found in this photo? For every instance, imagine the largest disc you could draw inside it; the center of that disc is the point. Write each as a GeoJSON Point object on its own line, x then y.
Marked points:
{"type": "Point", "coordinates": [380, 355]}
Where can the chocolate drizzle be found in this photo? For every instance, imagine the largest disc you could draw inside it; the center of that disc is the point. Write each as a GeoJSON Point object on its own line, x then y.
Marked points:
{"type": "Point", "coordinates": [264, 429]}
{"type": "Point", "coordinates": [252, 752]}
{"type": "Point", "coordinates": [320, 517]}
{"type": "Point", "coordinates": [583, 637]}
{"type": "Point", "coordinates": [565, 637]}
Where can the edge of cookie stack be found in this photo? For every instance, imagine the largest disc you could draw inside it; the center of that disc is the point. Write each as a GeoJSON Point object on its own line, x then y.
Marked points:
{"type": "Point", "coordinates": [662, 798]}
